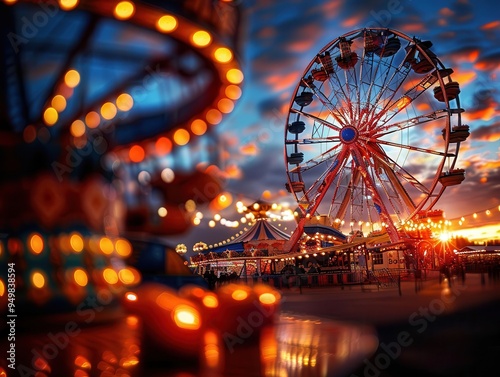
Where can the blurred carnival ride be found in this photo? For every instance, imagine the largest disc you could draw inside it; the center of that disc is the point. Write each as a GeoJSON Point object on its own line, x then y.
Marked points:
{"type": "Point", "coordinates": [105, 126]}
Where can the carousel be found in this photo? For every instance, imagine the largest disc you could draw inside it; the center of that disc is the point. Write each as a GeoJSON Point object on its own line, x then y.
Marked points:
{"type": "Point", "coordinates": [102, 102]}
{"type": "Point", "coordinates": [252, 252]}
{"type": "Point", "coordinates": [264, 249]}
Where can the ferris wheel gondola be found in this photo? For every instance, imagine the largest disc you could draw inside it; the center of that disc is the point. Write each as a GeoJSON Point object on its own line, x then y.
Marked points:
{"type": "Point", "coordinates": [373, 132]}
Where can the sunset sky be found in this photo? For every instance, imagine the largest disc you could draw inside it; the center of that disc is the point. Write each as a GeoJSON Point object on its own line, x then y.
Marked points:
{"type": "Point", "coordinates": [280, 38]}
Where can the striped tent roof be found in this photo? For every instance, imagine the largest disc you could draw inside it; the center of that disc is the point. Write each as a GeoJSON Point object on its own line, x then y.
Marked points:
{"type": "Point", "coordinates": [261, 230]}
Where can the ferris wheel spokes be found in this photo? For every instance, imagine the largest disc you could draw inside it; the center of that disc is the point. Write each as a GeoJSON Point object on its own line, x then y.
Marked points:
{"type": "Point", "coordinates": [335, 113]}
{"type": "Point", "coordinates": [366, 148]}
{"type": "Point", "coordinates": [414, 148]}
{"type": "Point", "coordinates": [391, 168]}
{"type": "Point", "coordinates": [346, 197]}
{"type": "Point", "coordinates": [315, 118]}
{"type": "Point", "coordinates": [392, 173]}
{"type": "Point", "coordinates": [408, 123]}
{"type": "Point", "coordinates": [319, 159]}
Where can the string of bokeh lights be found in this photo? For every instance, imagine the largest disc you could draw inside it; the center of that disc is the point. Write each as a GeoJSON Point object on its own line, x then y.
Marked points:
{"type": "Point", "coordinates": [446, 228]}
{"type": "Point", "coordinates": [276, 212]}
{"type": "Point", "coordinates": [112, 108]}
{"type": "Point", "coordinates": [442, 228]}
{"type": "Point", "coordinates": [478, 215]}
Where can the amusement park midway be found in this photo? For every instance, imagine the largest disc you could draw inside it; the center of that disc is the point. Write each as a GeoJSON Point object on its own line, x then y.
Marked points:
{"type": "Point", "coordinates": [280, 53]}
{"type": "Point", "coordinates": [246, 188]}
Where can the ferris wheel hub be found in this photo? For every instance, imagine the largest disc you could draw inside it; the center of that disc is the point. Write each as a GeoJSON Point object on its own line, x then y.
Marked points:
{"type": "Point", "coordinates": [360, 149]}
{"type": "Point", "coordinates": [348, 134]}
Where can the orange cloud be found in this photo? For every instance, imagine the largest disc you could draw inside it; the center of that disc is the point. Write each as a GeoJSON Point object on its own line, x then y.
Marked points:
{"type": "Point", "coordinates": [423, 107]}
{"type": "Point", "coordinates": [473, 56]}
{"type": "Point", "coordinates": [442, 22]}
{"type": "Point", "coordinates": [233, 171]}
{"type": "Point", "coordinates": [281, 82]}
{"type": "Point", "coordinates": [331, 8]}
{"type": "Point", "coordinates": [488, 63]}
{"type": "Point", "coordinates": [416, 27]}
{"type": "Point", "coordinates": [482, 114]}
{"type": "Point", "coordinates": [249, 149]}
{"type": "Point", "coordinates": [301, 46]}
{"type": "Point", "coordinates": [267, 32]}
{"type": "Point", "coordinates": [352, 21]}
{"type": "Point", "coordinates": [465, 164]}
{"type": "Point", "coordinates": [469, 55]}
{"type": "Point", "coordinates": [488, 165]}
{"type": "Point", "coordinates": [446, 12]}
{"type": "Point", "coordinates": [491, 25]}
{"type": "Point", "coordinates": [465, 77]}
{"type": "Point", "coordinates": [225, 155]}
{"type": "Point", "coordinates": [486, 66]}
{"type": "Point", "coordinates": [430, 128]}
{"type": "Point", "coordinates": [464, 147]}
{"type": "Point", "coordinates": [409, 84]}
{"type": "Point", "coordinates": [493, 137]}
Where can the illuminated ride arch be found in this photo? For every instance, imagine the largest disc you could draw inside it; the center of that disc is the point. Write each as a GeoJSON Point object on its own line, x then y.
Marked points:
{"type": "Point", "coordinates": [373, 132]}
{"type": "Point", "coordinates": [99, 99]}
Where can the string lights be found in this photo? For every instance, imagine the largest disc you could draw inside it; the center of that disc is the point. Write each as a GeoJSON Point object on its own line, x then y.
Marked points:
{"type": "Point", "coordinates": [274, 211]}
{"type": "Point", "coordinates": [474, 225]}
{"type": "Point", "coordinates": [437, 225]}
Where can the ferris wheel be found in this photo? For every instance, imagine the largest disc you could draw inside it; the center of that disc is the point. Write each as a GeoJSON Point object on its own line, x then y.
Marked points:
{"type": "Point", "coordinates": [373, 132]}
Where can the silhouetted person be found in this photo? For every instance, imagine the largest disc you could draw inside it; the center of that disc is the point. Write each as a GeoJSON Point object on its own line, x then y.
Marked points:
{"type": "Point", "coordinates": [212, 279]}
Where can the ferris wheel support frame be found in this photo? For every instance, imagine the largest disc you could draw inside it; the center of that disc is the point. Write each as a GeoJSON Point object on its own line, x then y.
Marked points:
{"type": "Point", "coordinates": [376, 125]}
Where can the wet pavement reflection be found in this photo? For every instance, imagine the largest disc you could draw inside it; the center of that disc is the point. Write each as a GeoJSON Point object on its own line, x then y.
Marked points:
{"type": "Point", "coordinates": [294, 346]}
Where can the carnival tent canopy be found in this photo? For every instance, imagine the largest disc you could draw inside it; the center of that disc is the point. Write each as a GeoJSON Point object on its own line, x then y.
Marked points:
{"type": "Point", "coordinates": [262, 233]}
{"type": "Point", "coordinates": [326, 230]}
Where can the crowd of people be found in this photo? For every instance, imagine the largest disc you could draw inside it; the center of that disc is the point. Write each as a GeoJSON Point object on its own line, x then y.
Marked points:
{"type": "Point", "coordinates": [216, 280]}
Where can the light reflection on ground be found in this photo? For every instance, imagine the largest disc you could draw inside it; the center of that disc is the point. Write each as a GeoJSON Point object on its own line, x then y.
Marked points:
{"type": "Point", "coordinates": [295, 346]}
